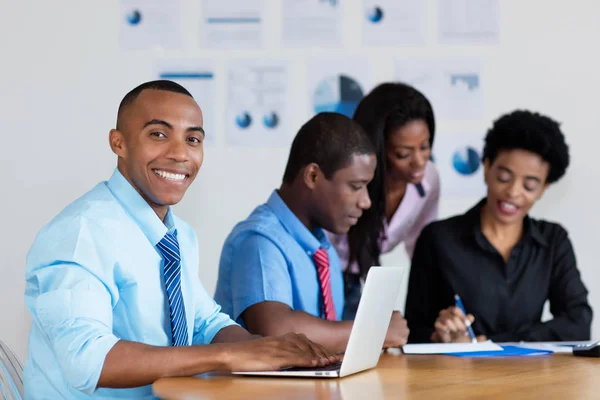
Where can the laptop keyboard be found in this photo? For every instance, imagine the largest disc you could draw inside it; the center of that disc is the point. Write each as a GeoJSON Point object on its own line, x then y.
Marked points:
{"type": "Point", "coordinates": [330, 367]}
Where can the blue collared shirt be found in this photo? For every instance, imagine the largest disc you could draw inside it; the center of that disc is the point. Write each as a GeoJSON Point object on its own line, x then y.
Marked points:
{"type": "Point", "coordinates": [268, 257]}
{"type": "Point", "coordinates": [94, 276]}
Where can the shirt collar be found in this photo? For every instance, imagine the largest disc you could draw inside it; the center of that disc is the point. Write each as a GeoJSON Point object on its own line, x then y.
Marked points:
{"type": "Point", "coordinates": [309, 241]}
{"type": "Point", "coordinates": [530, 229]}
{"type": "Point", "coordinates": [140, 210]}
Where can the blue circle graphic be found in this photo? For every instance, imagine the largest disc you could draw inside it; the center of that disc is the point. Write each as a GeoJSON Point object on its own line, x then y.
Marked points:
{"type": "Point", "coordinates": [466, 161]}
{"type": "Point", "coordinates": [243, 120]}
{"type": "Point", "coordinates": [338, 93]}
{"type": "Point", "coordinates": [375, 14]}
{"type": "Point", "coordinates": [271, 120]}
{"type": "Point", "coordinates": [134, 17]}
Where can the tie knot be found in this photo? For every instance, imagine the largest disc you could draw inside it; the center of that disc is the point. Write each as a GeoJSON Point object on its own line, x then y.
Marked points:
{"type": "Point", "coordinates": [321, 258]}
{"type": "Point", "coordinates": [169, 248]}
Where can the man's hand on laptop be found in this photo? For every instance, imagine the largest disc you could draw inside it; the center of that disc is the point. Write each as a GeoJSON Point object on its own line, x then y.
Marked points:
{"type": "Point", "coordinates": [397, 334]}
{"type": "Point", "coordinates": [275, 353]}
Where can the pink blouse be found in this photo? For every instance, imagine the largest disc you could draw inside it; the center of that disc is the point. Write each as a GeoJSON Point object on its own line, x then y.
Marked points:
{"type": "Point", "coordinates": [411, 216]}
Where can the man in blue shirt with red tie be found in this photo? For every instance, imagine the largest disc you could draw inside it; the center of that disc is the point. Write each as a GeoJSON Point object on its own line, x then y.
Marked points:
{"type": "Point", "coordinates": [112, 284]}
{"type": "Point", "coordinates": [278, 272]}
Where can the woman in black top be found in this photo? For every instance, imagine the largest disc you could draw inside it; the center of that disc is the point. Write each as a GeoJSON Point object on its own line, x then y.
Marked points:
{"type": "Point", "coordinates": [502, 263]}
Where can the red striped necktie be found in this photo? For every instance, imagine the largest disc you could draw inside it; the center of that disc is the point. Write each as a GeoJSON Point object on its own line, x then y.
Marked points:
{"type": "Point", "coordinates": [321, 259]}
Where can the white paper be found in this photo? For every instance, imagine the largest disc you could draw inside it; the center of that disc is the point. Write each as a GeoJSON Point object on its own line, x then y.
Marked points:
{"type": "Point", "coordinates": [233, 24]}
{"type": "Point", "coordinates": [149, 24]}
{"type": "Point", "coordinates": [457, 157]}
{"type": "Point", "coordinates": [338, 85]}
{"type": "Point", "coordinates": [257, 99]}
{"type": "Point", "coordinates": [452, 86]}
{"type": "Point", "coordinates": [445, 348]}
{"type": "Point", "coordinates": [307, 23]}
{"type": "Point", "coordinates": [468, 21]}
{"type": "Point", "coordinates": [198, 77]}
{"type": "Point", "coordinates": [393, 22]}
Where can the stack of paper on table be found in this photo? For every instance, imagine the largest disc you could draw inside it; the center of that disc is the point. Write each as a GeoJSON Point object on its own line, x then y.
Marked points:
{"type": "Point", "coordinates": [447, 348]}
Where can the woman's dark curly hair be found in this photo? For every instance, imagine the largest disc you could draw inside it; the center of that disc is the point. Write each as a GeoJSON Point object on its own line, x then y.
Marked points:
{"type": "Point", "coordinates": [529, 131]}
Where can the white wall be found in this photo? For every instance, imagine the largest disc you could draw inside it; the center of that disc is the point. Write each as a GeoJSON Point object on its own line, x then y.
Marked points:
{"type": "Point", "coordinates": [63, 74]}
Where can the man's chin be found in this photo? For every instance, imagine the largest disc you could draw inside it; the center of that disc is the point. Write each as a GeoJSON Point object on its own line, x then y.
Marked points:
{"type": "Point", "coordinates": [168, 200]}
{"type": "Point", "coordinates": [340, 230]}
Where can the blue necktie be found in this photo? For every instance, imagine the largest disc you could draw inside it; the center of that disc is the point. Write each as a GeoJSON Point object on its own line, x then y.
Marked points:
{"type": "Point", "coordinates": [169, 249]}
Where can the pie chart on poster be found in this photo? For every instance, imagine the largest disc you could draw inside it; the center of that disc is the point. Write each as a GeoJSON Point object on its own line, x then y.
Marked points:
{"type": "Point", "coordinates": [243, 120]}
{"type": "Point", "coordinates": [271, 120]}
{"type": "Point", "coordinates": [466, 160]}
{"type": "Point", "coordinates": [339, 93]}
{"type": "Point", "coordinates": [134, 17]}
{"type": "Point", "coordinates": [375, 14]}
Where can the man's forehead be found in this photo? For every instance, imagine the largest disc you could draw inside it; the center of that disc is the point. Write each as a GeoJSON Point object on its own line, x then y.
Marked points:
{"type": "Point", "coordinates": [157, 104]}
{"type": "Point", "coordinates": [358, 165]}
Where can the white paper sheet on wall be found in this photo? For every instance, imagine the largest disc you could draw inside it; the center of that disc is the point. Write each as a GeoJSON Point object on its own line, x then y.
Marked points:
{"type": "Point", "coordinates": [307, 23]}
{"type": "Point", "coordinates": [147, 24]}
{"type": "Point", "coordinates": [233, 24]}
{"type": "Point", "coordinates": [198, 77]}
{"type": "Point", "coordinates": [454, 87]}
{"type": "Point", "coordinates": [457, 157]}
{"type": "Point", "coordinates": [257, 104]}
{"type": "Point", "coordinates": [468, 21]}
{"type": "Point", "coordinates": [393, 22]}
{"type": "Point", "coordinates": [338, 84]}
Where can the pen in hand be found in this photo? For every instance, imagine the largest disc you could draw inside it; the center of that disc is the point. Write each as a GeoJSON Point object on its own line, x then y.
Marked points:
{"type": "Point", "coordinates": [460, 305]}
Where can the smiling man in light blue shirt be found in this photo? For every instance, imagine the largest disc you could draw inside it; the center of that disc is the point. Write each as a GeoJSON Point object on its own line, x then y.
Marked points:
{"type": "Point", "coordinates": [278, 272]}
{"type": "Point", "coordinates": [112, 284]}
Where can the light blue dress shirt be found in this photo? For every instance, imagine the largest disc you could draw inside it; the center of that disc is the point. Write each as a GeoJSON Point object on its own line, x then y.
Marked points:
{"type": "Point", "coordinates": [94, 276]}
{"type": "Point", "coordinates": [268, 257]}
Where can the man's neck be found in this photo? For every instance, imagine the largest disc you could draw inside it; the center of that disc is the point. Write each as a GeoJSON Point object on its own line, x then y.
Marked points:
{"type": "Point", "coordinates": [296, 202]}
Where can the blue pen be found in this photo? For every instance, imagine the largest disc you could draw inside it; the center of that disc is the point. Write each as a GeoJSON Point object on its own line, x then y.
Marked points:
{"type": "Point", "coordinates": [460, 305]}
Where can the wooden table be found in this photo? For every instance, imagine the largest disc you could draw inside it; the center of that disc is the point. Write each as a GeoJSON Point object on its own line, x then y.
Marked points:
{"type": "Point", "coordinates": [558, 376]}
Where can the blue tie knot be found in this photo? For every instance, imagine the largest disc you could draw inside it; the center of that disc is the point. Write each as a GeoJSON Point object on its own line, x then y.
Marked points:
{"type": "Point", "coordinates": [169, 248]}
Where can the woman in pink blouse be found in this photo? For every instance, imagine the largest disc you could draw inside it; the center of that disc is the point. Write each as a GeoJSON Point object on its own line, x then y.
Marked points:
{"type": "Point", "coordinates": [405, 190]}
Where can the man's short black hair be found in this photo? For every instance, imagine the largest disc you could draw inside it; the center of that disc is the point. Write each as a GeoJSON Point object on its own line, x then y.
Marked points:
{"type": "Point", "coordinates": [328, 140]}
{"type": "Point", "coordinates": [168, 86]}
{"type": "Point", "coordinates": [533, 132]}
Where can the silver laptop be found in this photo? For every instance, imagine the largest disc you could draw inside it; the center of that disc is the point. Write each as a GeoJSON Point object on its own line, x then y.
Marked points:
{"type": "Point", "coordinates": [368, 332]}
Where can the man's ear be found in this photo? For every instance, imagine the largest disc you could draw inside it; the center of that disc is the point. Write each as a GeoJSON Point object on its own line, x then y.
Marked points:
{"type": "Point", "coordinates": [117, 142]}
{"type": "Point", "coordinates": [310, 175]}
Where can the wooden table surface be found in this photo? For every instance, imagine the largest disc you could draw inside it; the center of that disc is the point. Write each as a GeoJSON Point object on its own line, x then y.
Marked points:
{"type": "Point", "coordinates": [558, 376]}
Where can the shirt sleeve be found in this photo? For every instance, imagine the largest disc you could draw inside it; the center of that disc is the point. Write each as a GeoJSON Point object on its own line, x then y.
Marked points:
{"type": "Point", "coordinates": [423, 300]}
{"type": "Point", "coordinates": [209, 319]}
{"type": "Point", "coordinates": [73, 308]}
{"type": "Point", "coordinates": [259, 273]}
{"type": "Point", "coordinates": [428, 214]}
{"type": "Point", "coordinates": [572, 314]}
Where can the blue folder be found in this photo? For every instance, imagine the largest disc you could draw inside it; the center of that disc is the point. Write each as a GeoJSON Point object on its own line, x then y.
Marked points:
{"type": "Point", "coordinates": [507, 351]}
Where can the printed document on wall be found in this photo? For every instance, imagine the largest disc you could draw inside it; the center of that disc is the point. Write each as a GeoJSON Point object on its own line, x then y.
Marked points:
{"type": "Point", "coordinates": [198, 77]}
{"type": "Point", "coordinates": [233, 24]}
{"type": "Point", "coordinates": [468, 21]}
{"type": "Point", "coordinates": [257, 104]}
{"type": "Point", "coordinates": [307, 23]}
{"type": "Point", "coordinates": [452, 86]}
{"type": "Point", "coordinates": [147, 24]}
{"type": "Point", "coordinates": [338, 84]}
{"type": "Point", "coordinates": [393, 22]}
{"type": "Point", "coordinates": [458, 159]}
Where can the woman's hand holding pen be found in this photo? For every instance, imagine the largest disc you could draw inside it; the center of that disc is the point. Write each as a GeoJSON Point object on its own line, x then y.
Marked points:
{"type": "Point", "coordinates": [451, 326]}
